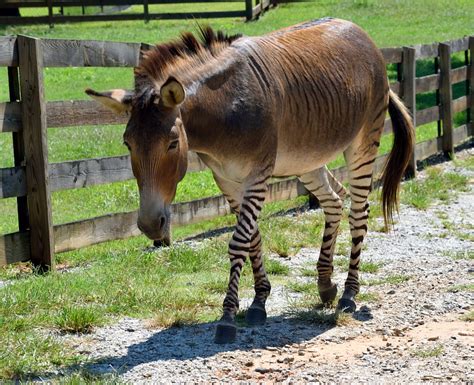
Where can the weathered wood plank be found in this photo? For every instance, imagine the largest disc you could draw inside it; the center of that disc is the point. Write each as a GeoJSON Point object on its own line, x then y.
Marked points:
{"type": "Point", "coordinates": [424, 51]}
{"type": "Point", "coordinates": [12, 182]}
{"type": "Point", "coordinates": [446, 96]}
{"type": "Point", "coordinates": [431, 50]}
{"type": "Point", "coordinates": [409, 95]}
{"type": "Point", "coordinates": [459, 74]}
{"type": "Point", "coordinates": [460, 134]}
{"type": "Point", "coordinates": [89, 172]}
{"type": "Point", "coordinates": [392, 55]}
{"type": "Point", "coordinates": [79, 173]}
{"type": "Point", "coordinates": [10, 117]}
{"type": "Point", "coordinates": [457, 45]}
{"type": "Point", "coordinates": [8, 51]}
{"type": "Point", "coordinates": [461, 104]}
{"type": "Point", "coordinates": [427, 115]}
{"type": "Point", "coordinates": [81, 112]}
{"type": "Point", "coordinates": [36, 151]}
{"type": "Point", "coordinates": [428, 147]}
{"type": "Point", "coordinates": [14, 247]}
{"type": "Point", "coordinates": [427, 83]}
{"type": "Point", "coordinates": [75, 235]}
{"type": "Point", "coordinates": [87, 53]}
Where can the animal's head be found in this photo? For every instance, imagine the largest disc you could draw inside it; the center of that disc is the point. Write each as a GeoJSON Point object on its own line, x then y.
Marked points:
{"type": "Point", "coordinates": [157, 142]}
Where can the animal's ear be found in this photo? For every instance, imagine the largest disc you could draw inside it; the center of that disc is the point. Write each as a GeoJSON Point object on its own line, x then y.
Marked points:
{"type": "Point", "coordinates": [119, 101]}
{"type": "Point", "coordinates": [172, 93]}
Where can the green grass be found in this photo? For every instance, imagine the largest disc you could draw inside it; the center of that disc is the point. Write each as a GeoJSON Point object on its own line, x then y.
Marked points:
{"type": "Point", "coordinates": [367, 297]}
{"type": "Point", "coordinates": [465, 254]}
{"type": "Point", "coordinates": [438, 186]}
{"type": "Point", "coordinates": [391, 279]}
{"type": "Point", "coordinates": [78, 319]}
{"type": "Point", "coordinates": [303, 287]}
{"type": "Point", "coordinates": [468, 287]}
{"type": "Point", "coordinates": [435, 351]}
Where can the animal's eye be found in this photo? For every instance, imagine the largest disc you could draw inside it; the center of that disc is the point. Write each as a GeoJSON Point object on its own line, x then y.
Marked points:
{"type": "Point", "coordinates": [127, 145]}
{"type": "Point", "coordinates": [173, 145]}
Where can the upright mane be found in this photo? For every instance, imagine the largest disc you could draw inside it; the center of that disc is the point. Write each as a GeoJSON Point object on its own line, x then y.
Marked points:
{"type": "Point", "coordinates": [157, 63]}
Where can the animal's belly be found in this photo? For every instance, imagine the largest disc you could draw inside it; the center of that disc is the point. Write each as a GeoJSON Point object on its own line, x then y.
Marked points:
{"type": "Point", "coordinates": [299, 163]}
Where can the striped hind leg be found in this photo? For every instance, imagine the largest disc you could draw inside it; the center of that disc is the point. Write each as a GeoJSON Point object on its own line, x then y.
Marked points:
{"type": "Point", "coordinates": [360, 158]}
{"type": "Point", "coordinates": [321, 183]}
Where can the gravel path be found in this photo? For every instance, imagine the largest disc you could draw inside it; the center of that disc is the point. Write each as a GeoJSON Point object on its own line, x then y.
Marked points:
{"type": "Point", "coordinates": [413, 331]}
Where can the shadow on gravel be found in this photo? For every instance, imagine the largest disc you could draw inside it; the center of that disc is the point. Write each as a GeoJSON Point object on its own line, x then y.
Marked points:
{"type": "Point", "coordinates": [196, 342]}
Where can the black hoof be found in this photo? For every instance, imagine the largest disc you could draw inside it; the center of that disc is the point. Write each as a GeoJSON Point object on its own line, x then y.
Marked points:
{"type": "Point", "coordinates": [225, 333]}
{"type": "Point", "coordinates": [346, 305]}
{"type": "Point", "coordinates": [161, 243]}
{"type": "Point", "coordinates": [328, 295]}
{"type": "Point", "coordinates": [256, 316]}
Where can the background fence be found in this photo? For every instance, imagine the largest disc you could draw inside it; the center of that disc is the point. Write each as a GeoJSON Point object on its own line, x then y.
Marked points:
{"type": "Point", "coordinates": [28, 115]}
{"type": "Point", "coordinates": [251, 9]}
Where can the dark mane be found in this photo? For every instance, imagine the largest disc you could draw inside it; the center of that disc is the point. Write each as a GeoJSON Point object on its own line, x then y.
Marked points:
{"type": "Point", "coordinates": [161, 57]}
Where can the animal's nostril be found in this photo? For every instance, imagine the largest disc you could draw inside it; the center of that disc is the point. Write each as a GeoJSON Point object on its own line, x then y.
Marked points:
{"type": "Point", "coordinates": [162, 222]}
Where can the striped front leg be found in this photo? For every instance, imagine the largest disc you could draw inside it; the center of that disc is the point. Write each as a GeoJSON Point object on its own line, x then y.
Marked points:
{"type": "Point", "coordinates": [256, 314]}
{"type": "Point", "coordinates": [239, 247]}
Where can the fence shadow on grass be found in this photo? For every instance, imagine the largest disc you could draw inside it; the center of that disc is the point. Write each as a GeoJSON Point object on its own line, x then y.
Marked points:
{"type": "Point", "coordinates": [196, 342]}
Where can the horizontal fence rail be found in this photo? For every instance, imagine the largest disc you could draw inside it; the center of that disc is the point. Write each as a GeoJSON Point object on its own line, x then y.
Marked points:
{"type": "Point", "coordinates": [250, 10]}
{"type": "Point", "coordinates": [17, 182]}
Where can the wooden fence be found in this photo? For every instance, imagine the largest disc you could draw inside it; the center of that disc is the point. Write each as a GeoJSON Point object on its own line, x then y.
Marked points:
{"type": "Point", "coordinates": [250, 10]}
{"type": "Point", "coordinates": [32, 179]}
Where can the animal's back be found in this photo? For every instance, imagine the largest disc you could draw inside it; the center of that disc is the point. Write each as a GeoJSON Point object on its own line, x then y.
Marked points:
{"type": "Point", "coordinates": [324, 75]}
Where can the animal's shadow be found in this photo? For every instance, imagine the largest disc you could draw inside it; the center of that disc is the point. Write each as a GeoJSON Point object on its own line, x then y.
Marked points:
{"type": "Point", "coordinates": [196, 341]}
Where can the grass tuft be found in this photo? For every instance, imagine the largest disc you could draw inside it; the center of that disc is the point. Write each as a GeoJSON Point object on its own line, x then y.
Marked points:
{"type": "Point", "coordinates": [78, 319]}
{"type": "Point", "coordinates": [391, 279]}
{"type": "Point", "coordinates": [274, 267]}
{"type": "Point", "coordinates": [468, 317]}
{"type": "Point", "coordinates": [303, 287]}
{"type": "Point", "coordinates": [435, 351]}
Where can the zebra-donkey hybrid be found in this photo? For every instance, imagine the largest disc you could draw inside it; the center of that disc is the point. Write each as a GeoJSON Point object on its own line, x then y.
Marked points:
{"type": "Point", "coordinates": [282, 104]}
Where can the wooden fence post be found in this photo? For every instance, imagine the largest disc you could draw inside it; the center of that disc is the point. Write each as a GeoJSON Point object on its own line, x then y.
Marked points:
{"type": "Point", "coordinates": [18, 148]}
{"type": "Point", "coordinates": [471, 87]}
{"type": "Point", "coordinates": [408, 88]}
{"type": "Point", "coordinates": [50, 13]}
{"type": "Point", "coordinates": [249, 9]}
{"type": "Point", "coordinates": [146, 11]}
{"type": "Point", "coordinates": [33, 107]}
{"type": "Point", "coordinates": [446, 98]}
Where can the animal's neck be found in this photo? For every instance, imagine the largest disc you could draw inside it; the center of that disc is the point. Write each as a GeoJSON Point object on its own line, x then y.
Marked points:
{"type": "Point", "coordinates": [208, 95]}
